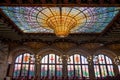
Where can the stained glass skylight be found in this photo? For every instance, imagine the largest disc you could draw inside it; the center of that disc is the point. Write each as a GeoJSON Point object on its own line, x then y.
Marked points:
{"type": "Point", "coordinates": [34, 19]}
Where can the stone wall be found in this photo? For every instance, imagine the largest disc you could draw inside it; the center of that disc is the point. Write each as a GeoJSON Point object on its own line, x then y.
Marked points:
{"type": "Point", "coordinates": [3, 60]}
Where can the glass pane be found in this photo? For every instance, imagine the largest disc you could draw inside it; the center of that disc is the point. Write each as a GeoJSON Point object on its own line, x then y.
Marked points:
{"type": "Point", "coordinates": [17, 69]}
{"type": "Point", "coordinates": [57, 60]}
{"type": "Point", "coordinates": [51, 70]}
{"type": "Point", "coordinates": [19, 59]}
{"type": "Point", "coordinates": [32, 58]}
{"type": "Point", "coordinates": [110, 70]}
{"type": "Point", "coordinates": [32, 69]}
{"type": "Point", "coordinates": [26, 58]}
{"type": "Point", "coordinates": [45, 59]}
{"type": "Point", "coordinates": [101, 59]}
{"type": "Point", "coordinates": [108, 60]}
{"type": "Point", "coordinates": [84, 60]}
{"type": "Point", "coordinates": [78, 72]}
{"type": "Point", "coordinates": [70, 70]}
{"type": "Point", "coordinates": [77, 59]}
{"type": "Point", "coordinates": [59, 70]}
{"type": "Point", "coordinates": [51, 58]}
{"type": "Point", "coordinates": [97, 72]}
{"type": "Point", "coordinates": [71, 60]}
{"type": "Point", "coordinates": [24, 70]}
{"type": "Point", "coordinates": [85, 70]}
{"type": "Point", "coordinates": [119, 68]}
{"type": "Point", "coordinates": [96, 60]}
{"type": "Point", "coordinates": [44, 69]}
{"type": "Point", "coordinates": [103, 70]}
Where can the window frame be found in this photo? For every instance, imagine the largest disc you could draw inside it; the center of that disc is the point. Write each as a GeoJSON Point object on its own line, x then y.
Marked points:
{"type": "Point", "coordinates": [22, 63]}
{"type": "Point", "coordinates": [81, 65]}
{"type": "Point", "coordinates": [48, 64]}
{"type": "Point", "coordinates": [103, 64]}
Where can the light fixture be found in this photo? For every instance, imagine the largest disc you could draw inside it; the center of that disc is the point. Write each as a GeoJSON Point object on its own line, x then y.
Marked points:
{"type": "Point", "coordinates": [61, 20]}
{"type": "Point", "coordinates": [61, 24]}
{"type": "Point", "coordinates": [35, 58]}
{"type": "Point", "coordinates": [116, 60]}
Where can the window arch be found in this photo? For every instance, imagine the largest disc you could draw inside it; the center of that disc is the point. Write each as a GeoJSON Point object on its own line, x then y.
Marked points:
{"type": "Point", "coordinates": [23, 66]}
{"type": "Point", "coordinates": [103, 66]}
{"type": "Point", "coordinates": [78, 66]}
{"type": "Point", "coordinates": [50, 66]}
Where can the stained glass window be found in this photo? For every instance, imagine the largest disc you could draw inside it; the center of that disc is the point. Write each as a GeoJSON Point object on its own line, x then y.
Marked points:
{"type": "Point", "coordinates": [50, 66]}
{"type": "Point", "coordinates": [23, 66]}
{"type": "Point", "coordinates": [78, 66]}
{"type": "Point", "coordinates": [103, 66]}
{"type": "Point", "coordinates": [33, 19]}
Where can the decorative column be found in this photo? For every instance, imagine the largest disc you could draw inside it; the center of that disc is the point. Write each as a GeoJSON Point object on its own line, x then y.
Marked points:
{"type": "Point", "coordinates": [91, 67]}
{"type": "Point", "coordinates": [8, 69]}
{"type": "Point", "coordinates": [64, 70]}
{"type": "Point", "coordinates": [91, 71]}
{"type": "Point", "coordinates": [11, 70]}
{"type": "Point", "coordinates": [115, 69]}
{"type": "Point", "coordinates": [116, 62]}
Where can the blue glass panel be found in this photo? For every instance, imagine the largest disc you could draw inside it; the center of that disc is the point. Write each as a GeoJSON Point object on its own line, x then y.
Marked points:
{"type": "Point", "coordinates": [70, 70]}
{"type": "Point", "coordinates": [44, 70]}
{"type": "Point", "coordinates": [59, 71]}
{"type": "Point", "coordinates": [32, 70]}
{"type": "Point", "coordinates": [17, 69]}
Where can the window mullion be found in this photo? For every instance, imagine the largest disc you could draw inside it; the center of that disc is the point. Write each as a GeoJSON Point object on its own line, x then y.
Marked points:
{"type": "Point", "coordinates": [81, 66]}
{"type": "Point", "coordinates": [21, 65]}
{"type": "Point", "coordinates": [48, 66]}
{"type": "Point", "coordinates": [74, 65]}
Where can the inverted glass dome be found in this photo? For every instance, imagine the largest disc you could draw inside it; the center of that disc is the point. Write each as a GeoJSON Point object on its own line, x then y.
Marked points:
{"type": "Point", "coordinates": [40, 19]}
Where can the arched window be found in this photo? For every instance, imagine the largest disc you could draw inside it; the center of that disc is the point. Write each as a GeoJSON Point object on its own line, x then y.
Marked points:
{"type": "Point", "coordinates": [103, 66]}
{"type": "Point", "coordinates": [78, 66]}
{"type": "Point", "coordinates": [50, 66]}
{"type": "Point", "coordinates": [23, 66]}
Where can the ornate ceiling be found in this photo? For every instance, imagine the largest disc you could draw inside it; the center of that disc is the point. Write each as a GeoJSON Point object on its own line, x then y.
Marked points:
{"type": "Point", "coordinates": [36, 19]}
{"type": "Point", "coordinates": [12, 31]}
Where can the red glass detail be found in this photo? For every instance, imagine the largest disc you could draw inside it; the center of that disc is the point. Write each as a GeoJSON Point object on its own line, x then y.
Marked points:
{"type": "Point", "coordinates": [51, 58]}
{"type": "Point", "coordinates": [77, 59]}
{"type": "Point", "coordinates": [26, 58]}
